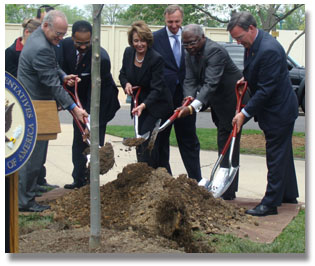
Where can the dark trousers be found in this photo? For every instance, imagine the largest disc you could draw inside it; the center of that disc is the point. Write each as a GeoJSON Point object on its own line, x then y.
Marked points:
{"type": "Point", "coordinates": [282, 183]}
{"type": "Point", "coordinates": [41, 178]}
{"type": "Point", "coordinates": [187, 140]}
{"type": "Point", "coordinates": [29, 174]}
{"type": "Point", "coordinates": [79, 160]}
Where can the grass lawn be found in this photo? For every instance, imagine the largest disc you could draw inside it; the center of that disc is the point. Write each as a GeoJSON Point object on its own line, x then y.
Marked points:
{"type": "Point", "coordinates": [208, 139]}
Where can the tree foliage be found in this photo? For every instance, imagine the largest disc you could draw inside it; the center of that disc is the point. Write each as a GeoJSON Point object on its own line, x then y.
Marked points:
{"type": "Point", "coordinates": [268, 16]}
{"type": "Point", "coordinates": [154, 15]}
{"type": "Point", "coordinates": [16, 13]}
{"type": "Point", "coordinates": [110, 13]}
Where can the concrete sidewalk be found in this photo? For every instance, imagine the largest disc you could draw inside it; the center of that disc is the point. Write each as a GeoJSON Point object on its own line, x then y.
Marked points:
{"type": "Point", "coordinates": [253, 170]}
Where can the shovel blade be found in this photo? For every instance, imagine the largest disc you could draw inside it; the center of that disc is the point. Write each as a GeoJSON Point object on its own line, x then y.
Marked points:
{"type": "Point", "coordinates": [154, 134]}
{"type": "Point", "coordinates": [222, 180]}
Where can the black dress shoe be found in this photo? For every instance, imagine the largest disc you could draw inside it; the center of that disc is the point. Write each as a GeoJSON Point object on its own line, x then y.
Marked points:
{"type": "Point", "coordinates": [262, 210]}
{"type": "Point", "coordinates": [74, 185]}
{"type": "Point", "coordinates": [35, 207]}
{"type": "Point", "coordinates": [292, 201]}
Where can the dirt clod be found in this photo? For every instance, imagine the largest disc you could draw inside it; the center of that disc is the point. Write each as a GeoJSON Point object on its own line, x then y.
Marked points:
{"type": "Point", "coordinates": [106, 156]}
{"type": "Point", "coordinates": [133, 141]}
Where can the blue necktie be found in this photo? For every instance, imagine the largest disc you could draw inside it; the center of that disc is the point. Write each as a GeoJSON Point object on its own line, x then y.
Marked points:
{"type": "Point", "coordinates": [176, 49]}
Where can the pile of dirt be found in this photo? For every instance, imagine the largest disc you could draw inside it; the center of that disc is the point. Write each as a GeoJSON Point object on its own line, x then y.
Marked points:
{"type": "Point", "coordinates": [154, 203]}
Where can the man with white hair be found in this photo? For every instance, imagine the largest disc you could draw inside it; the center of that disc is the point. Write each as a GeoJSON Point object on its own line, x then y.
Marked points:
{"type": "Point", "coordinates": [210, 79]}
{"type": "Point", "coordinates": [40, 74]}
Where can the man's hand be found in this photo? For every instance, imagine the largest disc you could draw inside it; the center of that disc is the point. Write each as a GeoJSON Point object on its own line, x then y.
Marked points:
{"type": "Point", "coordinates": [80, 113]}
{"type": "Point", "coordinates": [185, 111]}
{"type": "Point", "coordinates": [70, 79]}
{"type": "Point", "coordinates": [238, 119]}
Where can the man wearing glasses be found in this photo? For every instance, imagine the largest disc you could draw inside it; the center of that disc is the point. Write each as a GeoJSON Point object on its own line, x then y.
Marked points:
{"type": "Point", "coordinates": [210, 79]}
{"type": "Point", "coordinates": [40, 74]}
{"type": "Point", "coordinates": [77, 57]}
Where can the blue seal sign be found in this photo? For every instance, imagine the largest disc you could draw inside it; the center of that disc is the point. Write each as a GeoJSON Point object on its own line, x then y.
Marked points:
{"type": "Point", "coordinates": [20, 125]}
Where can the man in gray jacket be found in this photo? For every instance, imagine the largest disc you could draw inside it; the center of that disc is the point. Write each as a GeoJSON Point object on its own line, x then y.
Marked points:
{"type": "Point", "coordinates": [40, 74]}
{"type": "Point", "coordinates": [210, 78]}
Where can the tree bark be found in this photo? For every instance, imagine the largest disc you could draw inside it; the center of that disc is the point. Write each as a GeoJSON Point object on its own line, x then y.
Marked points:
{"type": "Point", "coordinates": [95, 212]}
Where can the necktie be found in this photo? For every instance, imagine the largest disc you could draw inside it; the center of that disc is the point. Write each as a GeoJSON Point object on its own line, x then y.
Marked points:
{"type": "Point", "coordinates": [176, 49]}
{"type": "Point", "coordinates": [79, 58]}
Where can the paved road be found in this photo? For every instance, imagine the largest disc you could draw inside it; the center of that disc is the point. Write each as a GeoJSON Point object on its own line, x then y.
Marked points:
{"type": "Point", "coordinates": [204, 120]}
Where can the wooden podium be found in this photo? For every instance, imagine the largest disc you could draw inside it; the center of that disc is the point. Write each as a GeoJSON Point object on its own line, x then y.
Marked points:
{"type": "Point", "coordinates": [48, 126]}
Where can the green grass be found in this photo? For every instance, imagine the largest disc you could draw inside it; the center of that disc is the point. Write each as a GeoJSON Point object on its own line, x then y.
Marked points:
{"type": "Point", "coordinates": [34, 221]}
{"type": "Point", "coordinates": [208, 139]}
{"type": "Point", "coordinates": [291, 240]}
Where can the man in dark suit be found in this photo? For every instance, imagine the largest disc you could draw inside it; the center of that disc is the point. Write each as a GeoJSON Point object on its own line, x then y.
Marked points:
{"type": "Point", "coordinates": [166, 43]}
{"type": "Point", "coordinates": [210, 79]}
{"type": "Point", "coordinates": [77, 58]}
{"type": "Point", "coordinates": [40, 74]}
{"type": "Point", "coordinates": [274, 105]}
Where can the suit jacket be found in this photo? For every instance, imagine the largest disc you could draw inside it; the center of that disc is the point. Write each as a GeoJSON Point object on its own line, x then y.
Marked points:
{"type": "Point", "coordinates": [154, 93]}
{"type": "Point", "coordinates": [273, 101]}
{"type": "Point", "coordinates": [211, 78]}
{"type": "Point", "coordinates": [39, 71]}
{"type": "Point", "coordinates": [172, 72]}
{"type": "Point", "coordinates": [109, 103]}
{"type": "Point", "coordinates": [12, 54]}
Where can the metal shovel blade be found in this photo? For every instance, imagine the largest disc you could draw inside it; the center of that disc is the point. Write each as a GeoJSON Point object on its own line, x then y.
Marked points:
{"type": "Point", "coordinates": [154, 134]}
{"type": "Point", "coordinates": [222, 180]}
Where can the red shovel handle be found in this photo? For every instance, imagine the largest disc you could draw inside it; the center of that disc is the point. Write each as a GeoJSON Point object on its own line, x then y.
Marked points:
{"type": "Point", "coordinates": [77, 102]}
{"type": "Point", "coordinates": [239, 98]}
{"type": "Point", "coordinates": [186, 103]}
{"type": "Point", "coordinates": [135, 97]}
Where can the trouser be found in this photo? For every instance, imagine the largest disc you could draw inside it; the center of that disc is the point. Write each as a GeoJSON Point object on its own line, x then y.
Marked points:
{"type": "Point", "coordinates": [41, 178]}
{"type": "Point", "coordinates": [29, 174]}
{"type": "Point", "coordinates": [187, 140]}
{"type": "Point", "coordinates": [79, 160]}
{"type": "Point", "coordinates": [282, 183]}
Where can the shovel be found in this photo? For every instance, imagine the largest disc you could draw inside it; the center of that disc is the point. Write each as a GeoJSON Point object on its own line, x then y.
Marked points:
{"type": "Point", "coordinates": [157, 129]}
{"type": "Point", "coordinates": [76, 99]}
{"type": "Point", "coordinates": [138, 139]}
{"type": "Point", "coordinates": [106, 152]}
{"type": "Point", "coordinates": [221, 180]}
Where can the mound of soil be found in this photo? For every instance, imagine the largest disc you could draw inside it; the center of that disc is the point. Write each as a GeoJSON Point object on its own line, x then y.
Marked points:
{"type": "Point", "coordinates": [154, 203]}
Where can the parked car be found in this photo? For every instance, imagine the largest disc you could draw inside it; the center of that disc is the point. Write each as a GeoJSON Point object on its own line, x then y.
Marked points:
{"type": "Point", "coordinates": [296, 72]}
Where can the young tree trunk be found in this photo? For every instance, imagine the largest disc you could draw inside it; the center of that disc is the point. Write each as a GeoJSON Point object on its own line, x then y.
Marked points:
{"type": "Point", "coordinates": [95, 212]}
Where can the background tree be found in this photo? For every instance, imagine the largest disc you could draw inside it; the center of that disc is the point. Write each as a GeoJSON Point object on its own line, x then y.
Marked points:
{"type": "Point", "coordinates": [110, 13]}
{"type": "Point", "coordinates": [16, 13]}
{"type": "Point", "coordinates": [267, 16]}
{"type": "Point", "coordinates": [154, 15]}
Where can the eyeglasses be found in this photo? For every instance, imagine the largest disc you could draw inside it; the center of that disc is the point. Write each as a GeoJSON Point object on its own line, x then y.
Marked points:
{"type": "Point", "coordinates": [59, 34]}
{"type": "Point", "coordinates": [82, 43]}
{"type": "Point", "coordinates": [186, 44]}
